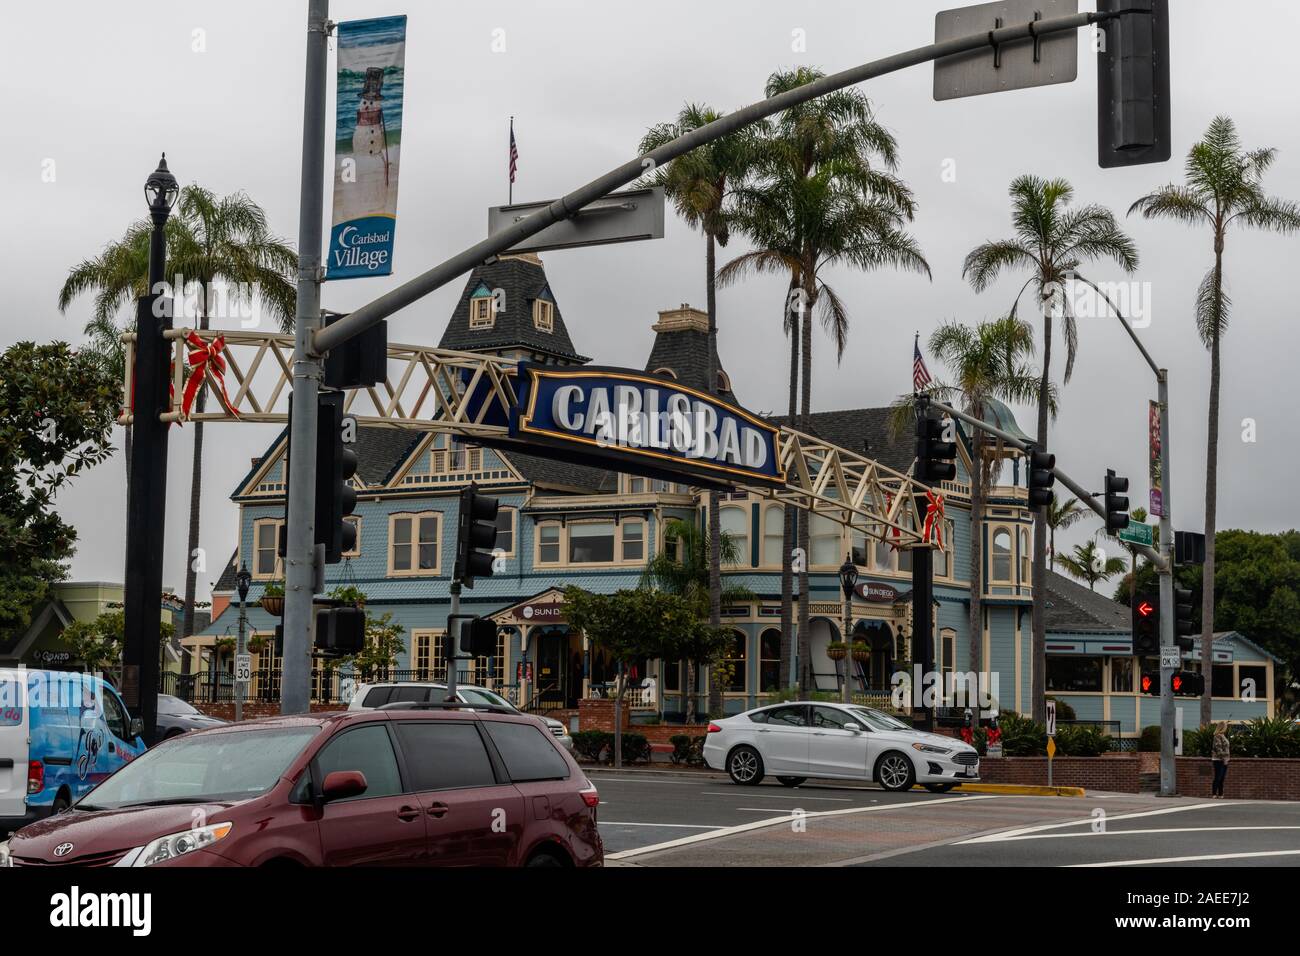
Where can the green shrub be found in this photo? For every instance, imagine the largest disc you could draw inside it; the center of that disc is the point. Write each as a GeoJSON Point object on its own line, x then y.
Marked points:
{"type": "Point", "coordinates": [1022, 736]}
{"type": "Point", "coordinates": [591, 744]}
{"type": "Point", "coordinates": [1149, 742]}
{"type": "Point", "coordinates": [1081, 741]}
{"type": "Point", "coordinates": [1267, 737]}
{"type": "Point", "coordinates": [1197, 743]}
{"type": "Point", "coordinates": [636, 749]}
{"type": "Point", "coordinates": [696, 756]}
{"type": "Point", "coordinates": [681, 748]}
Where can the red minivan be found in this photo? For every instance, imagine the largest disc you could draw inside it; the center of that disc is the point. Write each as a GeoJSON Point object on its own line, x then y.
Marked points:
{"type": "Point", "coordinates": [429, 785]}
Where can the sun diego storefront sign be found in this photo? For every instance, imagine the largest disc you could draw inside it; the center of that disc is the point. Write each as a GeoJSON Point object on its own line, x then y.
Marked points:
{"type": "Point", "coordinates": [636, 422]}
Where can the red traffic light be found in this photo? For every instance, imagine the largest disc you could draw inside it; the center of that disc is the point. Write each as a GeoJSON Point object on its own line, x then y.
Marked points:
{"type": "Point", "coordinates": [1146, 609]}
{"type": "Point", "coordinates": [1146, 683]}
{"type": "Point", "coordinates": [1177, 683]}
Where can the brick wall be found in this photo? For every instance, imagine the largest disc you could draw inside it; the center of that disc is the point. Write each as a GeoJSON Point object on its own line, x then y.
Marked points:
{"type": "Point", "coordinates": [1119, 773]}
{"type": "Point", "coordinates": [256, 708]}
{"type": "Point", "coordinates": [599, 715]}
{"type": "Point", "coordinates": [1249, 778]}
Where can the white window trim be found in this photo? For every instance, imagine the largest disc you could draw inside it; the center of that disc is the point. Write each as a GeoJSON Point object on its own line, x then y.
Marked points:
{"type": "Point", "coordinates": [763, 535]}
{"type": "Point", "coordinates": [543, 307]}
{"type": "Point", "coordinates": [474, 321]}
{"type": "Point", "coordinates": [278, 571]}
{"type": "Point", "coordinates": [514, 531]}
{"type": "Point", "coordinates": [414, 544]}
{"type": "Point", "coordinates": [537, 545]}
{"type": "Point", "coordinates": [1012, 538]}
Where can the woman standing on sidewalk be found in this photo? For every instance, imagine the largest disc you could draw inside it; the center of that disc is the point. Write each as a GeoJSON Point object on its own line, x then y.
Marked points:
{"type": "Point", "coordinates": [1221, 751]}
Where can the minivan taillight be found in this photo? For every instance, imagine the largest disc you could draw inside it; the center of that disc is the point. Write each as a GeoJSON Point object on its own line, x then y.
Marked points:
{"type": "Point", "coordinates": [590, 797]}
{"type": "Point", "coordinates": [35, 776]}
{"type": "Point", "coordinates": [714, 729]}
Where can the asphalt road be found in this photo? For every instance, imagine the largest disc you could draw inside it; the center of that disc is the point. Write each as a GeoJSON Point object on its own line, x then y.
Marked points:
{"type": "Point", "coordinates": [653, 819]}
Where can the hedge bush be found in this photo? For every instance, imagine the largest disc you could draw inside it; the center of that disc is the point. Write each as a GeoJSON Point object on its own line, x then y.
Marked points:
{"type": "Point", "coordinates": [1081, 741]}
{"type": "Point", "coordinates": [687, 750]}
{"type": "Point", "coordinates": [636, 749]}
{"type": "Point", "coordinates": [591, 744]}
{"type": "Point", "coordinates": [1022, 736]}
{"type": "Point", "coordinates": [1149, 742]}
{"type": "Point", "coordinates": [1267, 737]}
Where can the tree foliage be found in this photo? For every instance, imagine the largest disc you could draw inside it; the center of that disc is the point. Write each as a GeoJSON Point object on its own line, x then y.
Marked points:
{"type": "Point", "coordinates": [56, 413]}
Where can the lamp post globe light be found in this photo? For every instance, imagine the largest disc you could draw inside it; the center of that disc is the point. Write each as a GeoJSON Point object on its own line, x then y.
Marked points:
{"type": "Point", "coordinates": [848, 579]}
{"type": "Point", "coordinates": [242, 580]}
{"type": "Point", "coordinates": [160, 192]}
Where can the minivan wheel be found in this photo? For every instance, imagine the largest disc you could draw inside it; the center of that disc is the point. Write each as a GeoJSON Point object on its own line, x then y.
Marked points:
{"type": "Point", "coordinates": [939, 787]}
{"type": "Point", "coordinates": [895, 772]}
{"type": "Point", "coordinates": [745, 766]}
{"type": "Point", "coordinates": [791, 781]}
{"type": "Point", "coordinates": [543, 859]}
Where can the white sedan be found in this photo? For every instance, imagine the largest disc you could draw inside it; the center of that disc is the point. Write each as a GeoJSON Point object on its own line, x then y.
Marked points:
{"type": "Point", "coordinates": [798, 740]}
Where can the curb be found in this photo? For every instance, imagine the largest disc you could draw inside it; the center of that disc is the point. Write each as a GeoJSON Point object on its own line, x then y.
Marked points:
{"type": "Point", "coordinates": [1019, 790]}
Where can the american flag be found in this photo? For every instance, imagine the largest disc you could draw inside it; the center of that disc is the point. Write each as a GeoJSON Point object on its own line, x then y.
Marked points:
{"type": "Point", "coordinates": [514, 152]}
{"type": "Point", "coordinates": [920, 374]}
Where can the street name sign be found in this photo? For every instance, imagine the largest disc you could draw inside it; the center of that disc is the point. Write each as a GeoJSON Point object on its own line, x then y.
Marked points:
{"type": "Point", "coordinates": [626, 216]}
{"type": "Point", "coordinates": [1138, 532]}
{"type": "Point", "coordinates": [1039, 61]}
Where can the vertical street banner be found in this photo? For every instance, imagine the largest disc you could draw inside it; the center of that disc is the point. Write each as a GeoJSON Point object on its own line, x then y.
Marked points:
{"type": "Point", "coordinates": [367, 141]}
{"type": "Point", "coordinates": [1153, 466]}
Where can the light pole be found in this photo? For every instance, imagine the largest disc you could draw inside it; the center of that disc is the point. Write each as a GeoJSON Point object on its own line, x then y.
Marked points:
{"type": "Point", "coordinates": [242, 581]}
{"type": "Point", "coordinates": [848, 578]}
{"type": "Point", "coordinates": [146, 495]}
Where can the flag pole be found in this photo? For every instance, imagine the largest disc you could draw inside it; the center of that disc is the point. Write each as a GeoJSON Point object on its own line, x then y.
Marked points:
{"type": "Point", "coordinates": [510, 172]}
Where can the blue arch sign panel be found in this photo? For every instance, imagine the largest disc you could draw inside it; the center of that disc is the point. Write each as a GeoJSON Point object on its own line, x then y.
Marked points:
{"type": "Point", "coordinates": [641, 424]}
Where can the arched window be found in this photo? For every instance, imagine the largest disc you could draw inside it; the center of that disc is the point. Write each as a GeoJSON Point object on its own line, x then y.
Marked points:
{"type": "Point", "coordinates": [734, 659]}
{"type": "Point", "coordinates": [1001, 555]}
{"type": "Point", "coordinates": [735, 525]}
{"type": "Point", "coordinates": [824, 541]}
{"type": "Point", "coordinates": [773, 535]}
{"type": "Point", "coordinates": [1026, 557]}
{"type": "Point", "coordinates": [769, 661]}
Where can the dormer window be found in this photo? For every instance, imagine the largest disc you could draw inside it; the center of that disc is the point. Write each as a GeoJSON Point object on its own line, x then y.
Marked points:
{"type": "Point", "coordinates": [481, 313]}
{"type": "Point", "coordinates": [544, 315]}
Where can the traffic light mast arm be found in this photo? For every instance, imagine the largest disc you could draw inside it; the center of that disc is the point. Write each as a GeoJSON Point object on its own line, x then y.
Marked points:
{"type": "Point", "coordinates": [563, 208]}
{"type": "Point", "coordinates": [1084, 496]}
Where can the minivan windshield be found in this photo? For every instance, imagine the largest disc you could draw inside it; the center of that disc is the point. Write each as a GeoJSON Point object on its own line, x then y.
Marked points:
{"type": "Point", "coordinates": [203, 768]}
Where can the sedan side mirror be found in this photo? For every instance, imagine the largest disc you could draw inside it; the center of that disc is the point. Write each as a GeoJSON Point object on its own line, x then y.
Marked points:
{"type": "Point", "coordinates": [341, 784]}
{"type": "Point", "coordinates": [853, 727]}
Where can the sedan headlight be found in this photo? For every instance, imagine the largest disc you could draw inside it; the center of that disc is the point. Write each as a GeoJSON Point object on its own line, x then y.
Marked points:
{"type": "Point", "coordinates": [5, 859]}
{"type": "Point", "coordinates": [178, 844]}
{"type": "Point", "coordinates": [930, 749]}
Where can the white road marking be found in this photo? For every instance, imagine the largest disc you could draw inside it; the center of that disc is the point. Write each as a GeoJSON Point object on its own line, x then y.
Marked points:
{"type": "Point", "coordinates": [777, 796]}
{"type": "Point", "coordinates": [1109, 832]}
{"type": "Point", "coordinates": [1190, 859]}
{"type": "Point", "coordinates": [1086, 821]}
{"type": "Point", "coordinates": [784, 820]}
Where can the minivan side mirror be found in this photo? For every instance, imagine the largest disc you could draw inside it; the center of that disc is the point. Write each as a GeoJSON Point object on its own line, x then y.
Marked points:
{"type": "Point", "coordinates": [341, 784]}
{"type": "Point", "coordinates": [853, 727]}
{"type": "Point", "coordinates": [136, 728]}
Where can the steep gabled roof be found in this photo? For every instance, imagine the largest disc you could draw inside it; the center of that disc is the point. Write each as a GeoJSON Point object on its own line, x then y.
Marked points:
{"type": "Point", "coordinates": [521, 279]}
{"type": "Point", "coordinates": [1072, 607]}
{"type": "Point", "coordinates": [561, 475]}
{"type": "Point", "coordinates": [682, 345]}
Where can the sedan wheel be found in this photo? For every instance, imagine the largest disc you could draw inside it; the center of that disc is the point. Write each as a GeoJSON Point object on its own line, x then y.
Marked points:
{"type": "Point", "coordinates": [745, 766]}
{"type": "Point", "coordinates": [895, 772]}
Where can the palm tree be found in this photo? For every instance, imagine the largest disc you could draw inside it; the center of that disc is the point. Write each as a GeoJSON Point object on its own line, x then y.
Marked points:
{"type": "Point", "coordinates": [700, 185]}
{"type": "Point", "coordinates": [209, 239]}
{"type": "Point", "coordinates": [1222, 185]}
{"type": "Point", "coordinates": [985, 362]}
{"type": "Point", "coordinates": [1051, 241]}
{"type": "Point", "coordinates": [820, 201]}
{"type": "Point", "coordinates": [1087, 563]}
{"type": "Point", "coordinates": [1060, 516]}
{"type": "Point", "coordinates": [686, 573]}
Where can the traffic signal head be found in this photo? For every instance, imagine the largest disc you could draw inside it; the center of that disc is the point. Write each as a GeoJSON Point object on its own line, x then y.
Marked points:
{"type": "Point", "coordinates": [934, 453]}
{"type": "Point", "coordinates": [1150, 683]}
{"type": "Point", "coordinates": [336, 463]}
{"type": "Point", "coordinates": [1133, 115]}
{"type": "Point", "coordinates": [1041, 478]}
{"type": "Point", "coordinates": [1187, 684]}
{"type": "Point", "coordinates": [476, 536]}
{"type": "Point", "coordinates": [473, 635]}
{"type": "Point", "coordinates": [1146, 624]}
{"type": "Point", "coordinates": [1116, 502]}
{"type": "Point", "coordinates": [340, 631]}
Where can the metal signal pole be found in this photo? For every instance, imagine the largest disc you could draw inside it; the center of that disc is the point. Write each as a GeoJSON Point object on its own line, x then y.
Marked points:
{"type": "Point", "coordinates": [300, 538]}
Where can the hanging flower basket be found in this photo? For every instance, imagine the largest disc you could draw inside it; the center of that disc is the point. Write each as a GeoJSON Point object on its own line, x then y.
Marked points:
{"type": "Point", "coordinates": [257, 644]}
{"type": "Point", "coordinates": [273, 605]}
{"type": "Point", "coordinates": [837, 651]}
{"type": "Point", "coordinates": [861, 651]}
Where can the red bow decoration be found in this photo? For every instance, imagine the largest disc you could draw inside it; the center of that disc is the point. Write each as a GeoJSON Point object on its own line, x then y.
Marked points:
{"type": "Point", "coordinates": [932, 530]}
{"type": "Point", "coordinates": [206, 359]}
{"type": "Point", "coordinates": [995, 734]}
{"type": "Point", "coordinates": [967, 734]}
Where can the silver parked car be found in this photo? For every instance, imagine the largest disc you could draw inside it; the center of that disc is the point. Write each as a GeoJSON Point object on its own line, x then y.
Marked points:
{"type": "Point", "coordinates": [370, 696]}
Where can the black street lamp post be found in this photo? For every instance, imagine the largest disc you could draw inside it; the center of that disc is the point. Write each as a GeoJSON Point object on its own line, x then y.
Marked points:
{"type": "Point", "coordinates": [848, 579]}
{"type": "Point", "coordinates": [147, 490]}
{"type": "Point", "coordinates": [242, 581]}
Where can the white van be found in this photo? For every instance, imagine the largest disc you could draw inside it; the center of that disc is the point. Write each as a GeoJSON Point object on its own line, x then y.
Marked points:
{"type": "Point", "coordinates": [61, 733]}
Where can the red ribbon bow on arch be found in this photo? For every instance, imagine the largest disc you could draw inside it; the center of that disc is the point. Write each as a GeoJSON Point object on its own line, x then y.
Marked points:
{"type": "Point", "coordinates": [932, 530]}
{"type": "Point", "coordinates": [206, 359]}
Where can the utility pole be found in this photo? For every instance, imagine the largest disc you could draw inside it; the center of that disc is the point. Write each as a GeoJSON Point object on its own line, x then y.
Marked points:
{"type": "Point", "coordinates": [300, 540]}
{"type": "Point", "coordinates": [1168, 613]}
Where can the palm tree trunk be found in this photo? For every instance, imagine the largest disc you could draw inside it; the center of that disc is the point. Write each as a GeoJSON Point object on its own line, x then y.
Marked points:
{"type": "Point", "coordinates": [1051, 548]}
{"type": "Point", "coordinates": [975, 627]}
{"type": "Point", "coordinates": [1038, 688]}
{"type": "Point", "coordinates": [787, 531]}
{"type": "Point", "coordinates": [715, 519]}
{"type": "Point", "coordinates": [805, 408]}
{"type": "Point", "coordinates": [196, 491]}
{"type": "Point", "coordinates": [1211, 500]}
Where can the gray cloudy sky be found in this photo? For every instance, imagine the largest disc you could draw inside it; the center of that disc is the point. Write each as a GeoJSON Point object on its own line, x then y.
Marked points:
{"type": "Point", "coordinates": [101, 88]}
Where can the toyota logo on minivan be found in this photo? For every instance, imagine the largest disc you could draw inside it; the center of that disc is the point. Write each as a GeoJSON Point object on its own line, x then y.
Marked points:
{"type": "Point", "coordinates": [63, 849]}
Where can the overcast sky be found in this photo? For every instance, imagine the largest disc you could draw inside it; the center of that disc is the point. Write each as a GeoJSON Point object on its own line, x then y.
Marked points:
{"type": "Point", "coordinates": [116, 83]}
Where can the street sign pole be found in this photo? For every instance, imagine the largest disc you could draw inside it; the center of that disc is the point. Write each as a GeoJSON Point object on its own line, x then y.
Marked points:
{"type": "Point", "coordinates": [1051, 738]}
{"type": "Point", "coordinates": [300, 538]}
{"type": "Point", "coordinates": [1168, 771]}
